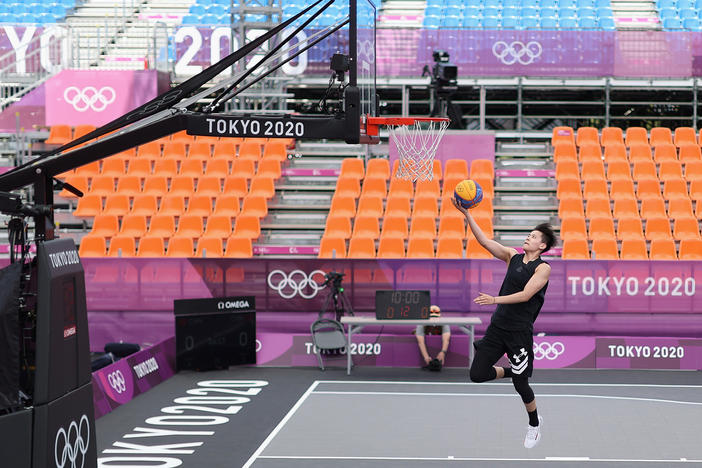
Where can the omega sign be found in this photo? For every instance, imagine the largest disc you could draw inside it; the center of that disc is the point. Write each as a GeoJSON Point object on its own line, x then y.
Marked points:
{"type": "Point", "coordinates": [229, 305]}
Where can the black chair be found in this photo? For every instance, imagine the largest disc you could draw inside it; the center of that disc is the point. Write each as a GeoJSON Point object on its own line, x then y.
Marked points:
{"type": "Point", "coordinates": [327, 334]}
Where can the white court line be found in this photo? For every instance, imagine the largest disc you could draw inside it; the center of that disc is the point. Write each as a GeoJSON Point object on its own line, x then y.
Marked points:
{"type": "Point", "coordinates": [537, 384]}
{"type": "Point", "coordinates": [280, 425]}
{"type": "Point", "coordinates": [554, 395]}
{"type": "Point", "coordinates": [547, 459]}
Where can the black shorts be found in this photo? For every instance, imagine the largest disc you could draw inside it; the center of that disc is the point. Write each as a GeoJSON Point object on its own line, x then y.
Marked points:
{"type": "Point", "coordinates": [517, 344]}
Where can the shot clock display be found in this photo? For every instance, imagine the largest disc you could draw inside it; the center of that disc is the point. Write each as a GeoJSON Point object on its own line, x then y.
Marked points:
{"type": "Point", "coordinates": [399, 305]}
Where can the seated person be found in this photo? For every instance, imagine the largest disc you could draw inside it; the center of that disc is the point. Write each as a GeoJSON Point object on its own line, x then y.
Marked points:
{"type": "Point", "coordinates": [443, 330]}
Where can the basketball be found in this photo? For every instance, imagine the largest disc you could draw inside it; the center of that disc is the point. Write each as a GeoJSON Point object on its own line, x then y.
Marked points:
{"type": "Point", "coordinates": [468, 193]}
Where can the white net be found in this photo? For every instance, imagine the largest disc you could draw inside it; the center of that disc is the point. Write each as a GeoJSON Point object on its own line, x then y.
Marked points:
{"type": "Point", "coordinates": [416, 146]}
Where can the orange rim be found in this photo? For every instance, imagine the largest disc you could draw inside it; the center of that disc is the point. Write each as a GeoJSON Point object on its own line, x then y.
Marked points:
{"type": "Point", "coordinates": [373, 123]}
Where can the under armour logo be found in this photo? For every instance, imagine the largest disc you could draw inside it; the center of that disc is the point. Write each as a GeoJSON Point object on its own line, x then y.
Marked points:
{"type": "Point", "coordinates": [518, 357]}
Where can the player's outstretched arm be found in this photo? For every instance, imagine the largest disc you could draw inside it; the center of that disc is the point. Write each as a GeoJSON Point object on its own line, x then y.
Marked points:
{"type": "Point", "coordinates": [534, 285]}
{"type": "Point", "coordinates": [495, 248]}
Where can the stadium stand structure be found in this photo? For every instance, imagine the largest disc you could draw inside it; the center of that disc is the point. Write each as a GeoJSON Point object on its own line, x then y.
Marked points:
{"type": "Point", "coordinates": [35, 13]}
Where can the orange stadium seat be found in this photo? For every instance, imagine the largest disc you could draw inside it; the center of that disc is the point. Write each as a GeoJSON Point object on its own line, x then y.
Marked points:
{"type": "Point", "coordinates": [456, 169]}
{"type": "Point", "coordinates": [394, 226]}
{"type": "Point", "coordinates": [366, 226]}
{"type": "Point", "coordinates": [420, 247]}
{"type": "Point", "coordinates": [605, 249]}
{"type": "Point", "coordinates": [182, 137]}
{"type": "Point", "coordinates": [217, 168]}
{"type": "Point", "coordinates": [352, 167]}
{"type": "Point", "coordinates": [190, 167]}
{"type": "Point", "coordinates": [275, 150]}
{"type": "Point", "coordinates": [210, 186]}
{"type": "Point", "coordinates": [633, 249]}
{"type": "Point", "coordinates": [105, 225]}
{"type": "Point", "coordinates": [343, 205]}
{"type": "Point", "coordinates": [648, 189]}
{"type": "Point", "coordinates": [200, 150]}
{"type": "Point", "coordinates": [693, 170]}
{"type": "Point", "coordinates": [378, 167]}
{"type": "Point", "coordinates": [612, 136]}
{"type": "Point", "coordinates": [255, 205]}
{"type": "Point", "coordinates": [629, 228]}
{"type": "Point", "coordinates": [686, 228]}
{"type": "Point", "coordinates": [449, 247]}
{"type": "Point", "coordinates": [696, 189]}
{"type": "Point", "coordinates": [601, 228]}
{"type": "Point", "coordinates": [626, 208]}
{"type": "Point", "coordinates": [401, 187]}
{"type": "Point", "coordinates": [675, 188]}
{"type": "Point", "coordinates": [139, 168]}
{"type": "Point", "coordinates": [182, 185]}
{"type": "Point", "coordinates": [90, 169]}
{"type": "Point", "coordinates": [218, 226]}
{"type": "Point", "coordinates": [665, 152]}
{"type": "Point", "coordinates": [575, 249]}
{"type": "Point", "coordinates": [59, 135]}
{"type": "Point", "coordinates": [570, 207]}
{"type": "Point", "coordinates": [592, 170]}
{"type": "Point", "coordinates": [560, 134]}
{"type": "Point", "coordinates": [117, 204]}
{"type": "Point", "coordinates": [427, 187]}
{"type": "Point", "coordinates": [210, 247]}
{"type": "Point", "coordinates": [189, 226]}
{"type": "Point", "coordinates": [180, 247]}
{"type": "Point", "coordinates": [573, 228]}
{"type": "Point", "coordinates": [161, 226]}
{"type": "Point", "coordinates": [480, 168]}
{"type": "Point", "coordinates": [269, 168]}
{"type": "Point", "coordinates": [247, 226]}
{"type": "Point", "coordinates": [238, 247]}
{"type": "Point", "coordinates": [684, 136]}
{"type": "Point", "coordinates": [596, 189]}
{"type": "Point", "coordinates": [653, 208]}
{"type": "Point", "coordinates": [262, 186]}
{"type": "Point", "coordinates": [331, 247]}
{"type": "Point", "coordinates": [567, 169]}
{"type": "Point", "coordinates": [122, 246]}
{"type": "Point", "coordinates": [398, 206]}
{"type": "Point", "coordinates": [452, 227]}
{"type": "Point", "coordinates": [236, 185]}
{"type": "Point", "coordinates": [449, 186]}
{"type": "Point", "coordinates": [133, 226]}
{"type": "Point", "coordinates": [485, 225]}
{"type": "Point", "coordinates": [338, 226]}
{"type": "Point", "coordinates": [598, 208]}
{"type": "Point", "coordinates": [424, 227]}
{"type": "Point", "coordinates": [636, 136]}
{"type": "Point", "coordinates": [475, 250]}
{"type": "Point", "coordinates": [129, 185]}
{"type": "Point", "coordinates": [144, 204]}
{"type": "Point", "coordinates": [622, 189]}
{"type": "Point", "coordinates": [224, 149]}
{"type": "Point", "coordinates": [448, 210]}
{"type": "Point", "coordinates": [250, 150]}
{"type": "Point", "coordinates": [660, 136]}
{"type": "Point", "coordinates": [151, 247]}
{"type": "Point", "coordinates": [569, 188]}
{"type": "Point", "coordinates": [373, 185]}
{"type": "Point", "coordinates": [92, 246]}
{"type": "Point", "coordinates": [640, 152]}
{"type": "Point", "coordinates": [669, 170]}
{"type": "Point", "coordinates": [689, 153]}
{"type": "Point", "coordinates": [362, 247]}
{"type": "Point", "coordinates": [226, 204]}
{"type": "Point", "coordinates": [663, 249]}
{"type": "Point", "coordinates": [174, 150]}
{"type": "Point", "coordinates": [618, 170]}
{"type": "Point", "coordinates": [615, 152]}
{"type": "Point", "coordinates": [369, 205]}
{"type": "Point", "coordinates": [645, 170]}
{"type": "Point", "coordinates": [80, 130]}
{"type": "Point", "coordinates": [657, 228]}
{"type": "Point", "coordinates": [78, 181]}
{"type": "Point", "coordinates": [587, 135]}
{"type": "Point", "coordinates": [89, 205]}
{"type": "Point", "coordinates": [690, 249]}
{"type": "Point", "coordinates": [150, 150]}
{"type": "Point", "coordinates": [425, 206]}
{"type": "Point", "coordinates": [590, 152]}
{"type": "Point", "coordinates": [436, 170]}
{"type": "Point", "coordinates": [113, 166]}
{"type": "Point", "coordinates": [680, 208]}
{"type": "Point", "coordinates": [166, 167]}
{"type": "Point", "coordinates": [564, 152]}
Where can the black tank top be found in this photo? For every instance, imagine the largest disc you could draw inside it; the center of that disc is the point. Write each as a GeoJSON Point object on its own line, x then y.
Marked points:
{"type": "Point", "coordinates": [519, 316]}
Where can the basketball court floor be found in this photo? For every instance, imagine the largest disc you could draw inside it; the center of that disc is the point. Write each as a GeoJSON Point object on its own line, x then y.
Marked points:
{"type": "Point", "coordinates": [380, 417]}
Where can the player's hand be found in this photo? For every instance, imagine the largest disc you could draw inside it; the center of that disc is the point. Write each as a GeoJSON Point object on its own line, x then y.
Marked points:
{"type": "Point", "coordinates": [427, 360]}
{"type": "Point", "coordinates": [458, 206]}
{"type": "Point", "coordinates": [441, 356]}
{"type": "Point", "coordinates": [484, 299]}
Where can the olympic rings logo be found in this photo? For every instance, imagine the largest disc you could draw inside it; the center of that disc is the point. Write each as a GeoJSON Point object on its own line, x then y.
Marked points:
{"type": "Point", "coordinates": [69, 445]}
{"type": "Point", "coordinates": [117, 382]}
{"type": "Point", "coordinates": [549, 351]}
{"type": "Point", "coordinates": [297, 282]}
{"type": "Point", "coordinates": [517, 51]}
{"type": "Point", "coordinates": [90, 98]}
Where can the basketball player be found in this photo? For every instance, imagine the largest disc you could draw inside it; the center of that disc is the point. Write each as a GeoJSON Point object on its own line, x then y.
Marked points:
{"type": "Point", "coordinates": [511, 326]}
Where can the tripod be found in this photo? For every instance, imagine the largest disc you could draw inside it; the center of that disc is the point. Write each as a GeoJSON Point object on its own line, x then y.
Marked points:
{"type": "Point", "coordinates": [337, 299]}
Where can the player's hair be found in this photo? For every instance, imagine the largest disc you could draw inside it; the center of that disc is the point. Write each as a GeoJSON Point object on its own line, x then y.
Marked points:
{"type": "Point", "coordinates": [547, 235]}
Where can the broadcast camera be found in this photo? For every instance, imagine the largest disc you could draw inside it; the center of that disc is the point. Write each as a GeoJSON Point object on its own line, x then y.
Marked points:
{"type": "Point", "coordinates": [334, 278]}
{"type": "Point", "coordinates": [443, 74]}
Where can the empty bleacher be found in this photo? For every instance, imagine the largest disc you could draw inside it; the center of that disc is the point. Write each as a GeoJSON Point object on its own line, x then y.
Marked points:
{"type": "Point", "coordinates": [34, 13]}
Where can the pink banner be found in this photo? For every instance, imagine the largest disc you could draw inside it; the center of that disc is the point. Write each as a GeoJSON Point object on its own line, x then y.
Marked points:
{"type": "Point", "coordinates": [79, 97]}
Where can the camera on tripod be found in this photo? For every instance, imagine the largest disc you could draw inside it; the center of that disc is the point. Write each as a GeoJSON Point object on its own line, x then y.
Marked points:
{"type": "Point", "coordinates": [444, 74]}
{"type": "Point", "coordinates": [334, 278]}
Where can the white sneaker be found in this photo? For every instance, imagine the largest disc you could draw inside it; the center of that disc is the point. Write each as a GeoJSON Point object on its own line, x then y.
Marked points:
{"type": "Point", "coordinates": [533, 435]}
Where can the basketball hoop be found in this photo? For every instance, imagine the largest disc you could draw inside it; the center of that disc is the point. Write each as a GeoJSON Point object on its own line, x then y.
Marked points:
{"type": "Point", "coordinates": [416, 140]}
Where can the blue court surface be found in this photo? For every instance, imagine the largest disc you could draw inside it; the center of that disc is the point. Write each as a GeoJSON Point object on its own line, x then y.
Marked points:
{"type": "Point", "coordinates": [297, 417]}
